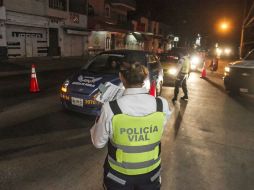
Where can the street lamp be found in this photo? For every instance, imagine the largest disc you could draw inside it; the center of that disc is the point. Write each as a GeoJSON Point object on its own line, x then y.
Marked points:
{"type": "Point", "coordinates": [224, 26]}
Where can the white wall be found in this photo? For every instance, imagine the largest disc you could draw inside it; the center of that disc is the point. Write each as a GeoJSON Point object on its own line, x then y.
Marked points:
{"type": "Point", "coordinates": [36, 7]}
{"type": "Point", "coordinates": [73, 45]}
{"type": "Point", "coordinates": [2, 34]}
{"type": "Point", "coordinates": [26, 20]}
{"type": "Point", "coordinates": [2, 13]}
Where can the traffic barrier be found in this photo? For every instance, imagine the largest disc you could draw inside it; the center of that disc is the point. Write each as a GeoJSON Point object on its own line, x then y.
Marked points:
{"type": "Point", "coordinates": [203, 73]}
{"type": "Point", "coordinates": [34, 87]}
{"type": "Point", "coordinates": [153, 89]}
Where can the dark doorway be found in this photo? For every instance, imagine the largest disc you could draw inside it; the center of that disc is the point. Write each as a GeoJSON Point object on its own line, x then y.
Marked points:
{"type": "Point", "coordinates": [113, 41]}
{"type": "Point", "coordinates": [53, 42]}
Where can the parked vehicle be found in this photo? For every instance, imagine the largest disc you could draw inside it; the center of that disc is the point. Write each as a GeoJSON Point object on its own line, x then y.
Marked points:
{"type": "Point", "coordinates": [78, 92]}
{"type": "Point", "coordinates": [239, 75]}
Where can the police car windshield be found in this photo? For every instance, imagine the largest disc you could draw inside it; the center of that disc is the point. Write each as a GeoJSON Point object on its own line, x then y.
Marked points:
{"type": "Point", "coordinates": [106, 63]}
{"type": "Point", "coordinates": [250, 56]}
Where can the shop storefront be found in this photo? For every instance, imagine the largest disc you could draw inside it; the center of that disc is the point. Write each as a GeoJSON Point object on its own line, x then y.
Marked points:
{"type": "Point", "coordinates": [74, 42]}
{"type": "Point", "coordinates": [26, 35]}
{"type": "Point", "coordinates": [134, 41]}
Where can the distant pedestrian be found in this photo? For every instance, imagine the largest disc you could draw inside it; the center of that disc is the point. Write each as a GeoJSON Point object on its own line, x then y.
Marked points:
{"type": "Point", "coordinates": [181, 80]}
{"type": "Point", "coordinates": [214, 64]}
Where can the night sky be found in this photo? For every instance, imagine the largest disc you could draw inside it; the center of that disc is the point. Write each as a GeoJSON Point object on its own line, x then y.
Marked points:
{"type": "Point", "coordinates": [189, 17]}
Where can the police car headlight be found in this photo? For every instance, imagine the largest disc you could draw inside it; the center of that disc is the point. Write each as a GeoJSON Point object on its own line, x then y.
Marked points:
{"type": "Point", "coordinates": [172, 71]}
{"type": "Point", "coordinates": [65, 85]}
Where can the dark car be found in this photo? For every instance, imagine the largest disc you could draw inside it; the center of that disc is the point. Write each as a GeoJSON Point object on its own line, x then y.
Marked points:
{"type": "Point", "coordinates": [170, 67]}
{"type": "Point", "coordinates": [239, 76]}
{"type": "Point", "coordinates": [78, 92]}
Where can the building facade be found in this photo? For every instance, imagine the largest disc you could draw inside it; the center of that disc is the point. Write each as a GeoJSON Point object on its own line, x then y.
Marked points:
{"type": "Point", "coordinates": [155, 35]}
{"type": "Point", "coordinates": [109, 26]}
{"type": "Point", "coordinates": [31, 28]}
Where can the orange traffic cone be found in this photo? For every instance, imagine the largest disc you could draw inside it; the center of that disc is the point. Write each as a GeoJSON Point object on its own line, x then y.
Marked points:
{"type": "Point", "coordinates": [153, 89]}
{"type": "Point", "coordinates": [203, 73]}
{"type": "Point", "coordinates": [34, 87]}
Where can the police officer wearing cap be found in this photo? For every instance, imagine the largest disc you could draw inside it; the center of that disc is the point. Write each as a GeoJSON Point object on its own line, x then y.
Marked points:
{"type": "Point", "coordinates": [181, 80]}
{"type": "Point", "coordinates": [132, 127]}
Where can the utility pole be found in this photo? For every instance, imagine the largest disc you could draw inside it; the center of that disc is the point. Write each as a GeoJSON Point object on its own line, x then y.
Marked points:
{"type": "Point", "coordinates": [242, 30]}
{"type": "Point", "coordinates": [248, 19]}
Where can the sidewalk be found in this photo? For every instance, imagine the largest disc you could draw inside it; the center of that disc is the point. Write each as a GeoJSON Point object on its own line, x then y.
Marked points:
{"type": "Point", "coordinates": [23, 65]}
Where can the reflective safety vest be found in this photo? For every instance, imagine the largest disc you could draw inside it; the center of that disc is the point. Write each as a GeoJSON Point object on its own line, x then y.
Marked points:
{"type": "Point", "coordinates": [186, 65]}
{"type": "Point", "coordinates": [135, 147]}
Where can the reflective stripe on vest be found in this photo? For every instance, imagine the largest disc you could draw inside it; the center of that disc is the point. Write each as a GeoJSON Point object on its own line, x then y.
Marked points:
{"type": "Point", "coordinates": [135, 146]}
{"type": "Point", "coordinates": [138, 165]}
{"type": "Point", "coordinates": [136, 149]}
{"type": "Point", "coordinates": [116, 179]}
{"type": "Point", "coordinates": [186, 66]}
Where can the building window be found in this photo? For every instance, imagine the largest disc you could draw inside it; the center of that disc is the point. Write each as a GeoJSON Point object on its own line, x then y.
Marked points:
{"type": "Point", "coordinates": [121, 18]}
{"type": "Point", "coordinates": [78, 6]}
{"type": "Point", "coordinates": [58, 4]}
{"type": "Point", "coordinates": [1, 3]}
{"type": "Point", "coordinates": [107, 11]}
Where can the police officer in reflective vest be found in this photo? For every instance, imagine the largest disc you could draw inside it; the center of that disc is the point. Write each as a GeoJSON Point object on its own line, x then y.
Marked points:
{"type": "Point", "coordinates": [181, 80]}
{"type": "Point", "coordinates": [132, 126]}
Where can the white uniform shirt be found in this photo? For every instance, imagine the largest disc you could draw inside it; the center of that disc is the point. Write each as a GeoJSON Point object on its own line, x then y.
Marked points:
{"type": "Point", "coordinates": [134, 102]}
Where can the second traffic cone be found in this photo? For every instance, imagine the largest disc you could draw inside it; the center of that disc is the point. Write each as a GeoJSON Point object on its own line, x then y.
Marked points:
{"type": "Point", "coordinates": [34, 87]}
{"type": "Point", "coordinates": [203, 73]}
{"type": "Point", "coordinates": [153, 89]}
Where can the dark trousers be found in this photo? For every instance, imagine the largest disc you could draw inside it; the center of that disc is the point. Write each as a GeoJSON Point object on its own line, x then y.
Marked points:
{"type": "Point", "coordinates": [112, 185]}
{"type": "Point", "coordinates": [140, 182]}
{"type": "Point", "coordinates": [181, 81]}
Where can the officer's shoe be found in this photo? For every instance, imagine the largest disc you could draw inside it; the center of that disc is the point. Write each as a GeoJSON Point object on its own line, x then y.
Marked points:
{"type": "Point", "coordinates": [184, 98]}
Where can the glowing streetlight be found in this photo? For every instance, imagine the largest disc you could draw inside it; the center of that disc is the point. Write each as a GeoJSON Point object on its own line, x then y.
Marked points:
{"type": "Point", "coordinates": [224, 26]}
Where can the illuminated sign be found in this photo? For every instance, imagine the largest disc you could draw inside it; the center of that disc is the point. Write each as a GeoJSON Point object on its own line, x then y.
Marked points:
{"type": "Point", "coordinates": [176, 39]}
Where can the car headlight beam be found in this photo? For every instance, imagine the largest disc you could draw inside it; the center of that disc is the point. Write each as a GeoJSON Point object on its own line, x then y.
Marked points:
{"type": "Point", "coordinates": [172, 71]}
{"type": "Point", "coordinates": [195, 60]}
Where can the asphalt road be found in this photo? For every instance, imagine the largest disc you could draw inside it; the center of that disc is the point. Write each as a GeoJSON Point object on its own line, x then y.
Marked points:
{"type": "Point", "coordinates": [208, 143]}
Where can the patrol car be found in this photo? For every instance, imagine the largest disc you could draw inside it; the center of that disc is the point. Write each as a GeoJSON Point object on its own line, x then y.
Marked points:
{"type": "Point", "coordinates": [239, 75]}
{"type": "Point", "coordinates": [78, 92]}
